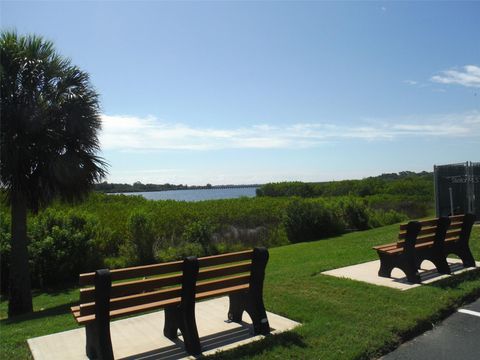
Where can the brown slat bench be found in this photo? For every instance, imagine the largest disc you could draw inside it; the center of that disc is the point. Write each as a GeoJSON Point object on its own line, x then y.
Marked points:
{"type": "Point", "coordinates": [430, 240]}
{"type": "Point", "coordinates": [174, 287]}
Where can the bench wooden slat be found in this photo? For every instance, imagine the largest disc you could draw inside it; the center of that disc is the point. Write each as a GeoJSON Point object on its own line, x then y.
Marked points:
{"type": "Point", "coordinates": [75, 311]}
{"type": "Point", "coordinates": [220, 292]}
{"type": "Point", "coordinates": [423, 231]}
{"type": "Point", "coordinates": [134, 300]}
{"type": "Point", "coordinates": [161, 304]}
{"type": "Point", "coordinates": [133, 287]}
{"type": "Point", "coordinates": [457, 218]}
{"type": "Point", "coordinates": [430, 230]}
{"type": "Point", "coordinates": [424, 244]}
{"type": "Point", "coordinates": [456, 225]}
{"type": "Point", "coordinates": [385, 246]}
{"type": "Point", "coordinates": [210, 273]}
{"type": "Point", "coordinates": [430, 238]}
{"type": "Point", "coordinates": [433, 222]}
{"type": "Point", "coordinates": [205, 289]}
{"type": "Point", "coordinates": [222, 283]}
{"type": "Point", "coordinates": [424, 223]}
{"type": "Point", "coordinates": [132, 310]}
{"type": "Point", "coordinates": [136, 271]}
{"type": "Point", "coordinates": [225, 258]}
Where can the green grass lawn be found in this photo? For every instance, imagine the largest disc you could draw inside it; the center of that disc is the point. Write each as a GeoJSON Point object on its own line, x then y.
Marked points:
{"type": "Point", "coordinates": [342, 319]}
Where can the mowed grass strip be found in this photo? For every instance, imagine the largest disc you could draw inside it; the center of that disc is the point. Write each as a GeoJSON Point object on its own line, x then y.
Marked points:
{"type": "Point", "coordinates": [342, 319]}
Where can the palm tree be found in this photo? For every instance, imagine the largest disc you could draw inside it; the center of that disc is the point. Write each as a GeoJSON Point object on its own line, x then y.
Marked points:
{"type": "Point", "coordinates": [50, 117]}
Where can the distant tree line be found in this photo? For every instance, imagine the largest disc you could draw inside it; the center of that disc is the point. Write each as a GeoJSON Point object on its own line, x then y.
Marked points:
{"type": "Point", "coordinates": [405, 183]}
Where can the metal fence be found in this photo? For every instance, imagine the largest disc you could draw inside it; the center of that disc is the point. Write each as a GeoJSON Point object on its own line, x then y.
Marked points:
{"type": "Point", "coordinates": [457, 188]}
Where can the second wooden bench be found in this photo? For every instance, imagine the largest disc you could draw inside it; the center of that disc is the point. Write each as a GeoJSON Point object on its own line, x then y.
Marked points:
{"type": "Point", "coordinates": [431, 240]}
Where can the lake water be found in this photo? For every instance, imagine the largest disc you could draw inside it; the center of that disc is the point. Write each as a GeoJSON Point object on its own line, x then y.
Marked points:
{"type": "Point", "coordinates": [197, 194]}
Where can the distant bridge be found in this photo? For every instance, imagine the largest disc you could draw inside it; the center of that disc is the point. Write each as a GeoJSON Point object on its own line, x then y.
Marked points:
{"type": "Point", "coordinates": [221, 187]}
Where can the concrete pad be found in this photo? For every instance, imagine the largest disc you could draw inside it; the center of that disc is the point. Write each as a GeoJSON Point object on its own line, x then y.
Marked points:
{"type": "Point", "coordinates": [368, 272]}
{"type": "Point", "coordinates": [141, 337]}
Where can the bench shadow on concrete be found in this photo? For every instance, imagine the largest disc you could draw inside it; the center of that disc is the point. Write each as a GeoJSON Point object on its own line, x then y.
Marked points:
{"type": "Point", "coordinates": [452, 282]}
{"type": "Point", "coordinates": [432, 274]}
{"type": "Point", "coordinates": [224, 338]}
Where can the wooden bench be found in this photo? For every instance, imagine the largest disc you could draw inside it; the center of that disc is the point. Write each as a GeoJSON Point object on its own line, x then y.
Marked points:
{"type": "Point", "coordinates": [174, 287]}
{"type": "Point", "coordinates": [431, 240]}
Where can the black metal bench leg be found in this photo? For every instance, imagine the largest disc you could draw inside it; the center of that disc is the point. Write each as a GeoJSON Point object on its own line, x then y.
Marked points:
{"type": "Point", "coordinates": [237, 306]}
{"type": "Point", "coordinates": [187, 323]}
{"type": "Point", "coordinates": [465, 255]}
{"type": "Point", "coordinates": [408, 261]}
{"type": "Point", "coordinates": [410, 271]}
{"type": "Point", "coordinates": [436, 254]}
{"type": "Point", "coordinates": [92, 342]}
{"type": "Point", "coordinates": [189, 331]}
{"type": "Point", "coordinates": [386, 265]}
{"type": "Point", "coordinates": [99, 343]}
{"type": "Point", "coordinates": [463, 250]}
{"type": "Point", "coordinates": [255, 306]}
{"type": "Point", "coordinates": [170, 329]}
{"type": "Point", "coordinates": [441, 264]}
{"type": "Point", "coordinates": [183, 319]}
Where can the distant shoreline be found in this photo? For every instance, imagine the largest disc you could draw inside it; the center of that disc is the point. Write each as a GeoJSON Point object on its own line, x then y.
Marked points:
{"type": "Point", "coordinates": [212, 187]}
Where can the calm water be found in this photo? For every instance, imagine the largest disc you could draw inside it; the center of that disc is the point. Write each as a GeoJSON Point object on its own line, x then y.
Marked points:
{"type": "Point", "coordinates": [197, 195]}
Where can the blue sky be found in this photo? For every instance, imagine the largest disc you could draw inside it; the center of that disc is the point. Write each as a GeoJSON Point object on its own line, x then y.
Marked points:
{"type": "Point", "coordinates": [252, 92]}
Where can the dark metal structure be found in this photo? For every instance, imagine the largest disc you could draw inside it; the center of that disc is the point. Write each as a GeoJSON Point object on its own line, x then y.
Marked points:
{"type": "Point", "coordinates": [457, 189]}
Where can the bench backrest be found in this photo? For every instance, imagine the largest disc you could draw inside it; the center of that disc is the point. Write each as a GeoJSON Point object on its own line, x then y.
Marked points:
{"type": "Point", "coordinates": [430, 230]}
{"type": "Point", "coordinates": [223, 271]}
{"type": "Point", "coordinates": [143, 288]}
{"type": "Point", "coordinates": [157, 282]}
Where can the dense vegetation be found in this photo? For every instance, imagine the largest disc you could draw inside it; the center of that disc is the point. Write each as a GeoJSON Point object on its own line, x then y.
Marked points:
{"type": "Point", "coordinates": [404, 183]}
{"type": "Point", "coordinates": [406, 192]}
{"type": "Point", "coordinates": [118, 230]}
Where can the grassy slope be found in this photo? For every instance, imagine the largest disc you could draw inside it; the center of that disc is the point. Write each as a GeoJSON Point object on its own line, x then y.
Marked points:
{"type": "Point", "coordinates": [342, 319]}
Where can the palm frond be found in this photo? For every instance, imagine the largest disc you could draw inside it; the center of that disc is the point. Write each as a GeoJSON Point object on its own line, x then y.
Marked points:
{"type": "Point", "coordinates": [50, 118]}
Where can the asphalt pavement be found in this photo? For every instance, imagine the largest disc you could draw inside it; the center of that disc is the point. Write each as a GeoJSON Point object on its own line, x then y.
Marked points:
{"type": "Point", "coordinates": [456, 338]}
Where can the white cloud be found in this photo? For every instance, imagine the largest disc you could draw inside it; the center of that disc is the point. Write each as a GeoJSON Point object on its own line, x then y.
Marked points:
{"type": "Point", "coordinates": [469, 76]}
{"type": "Point", "coordinates": [410, 82]}
{"type": "Point", "coordinates": [130, 133]}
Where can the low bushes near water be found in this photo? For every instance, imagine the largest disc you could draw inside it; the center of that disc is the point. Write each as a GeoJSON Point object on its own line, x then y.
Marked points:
{"type": "Point", "coordinates": [408, 193]}
{"type": "Point", "coordinates": [118, 231]}
{"type": "Point", "coordinates": [311, 220]}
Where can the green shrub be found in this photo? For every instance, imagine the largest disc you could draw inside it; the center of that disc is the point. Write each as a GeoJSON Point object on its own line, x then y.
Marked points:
{"type": "Point", "coordinates": [312, 220]}
{"type": "Point", "coordinates": [61, 247]}
{"type": "Point", "coordinates": [414, 207]}
{"type": "Point", "coordinates": [178, 252]}
{"type": "Point", "coordinates": [200, 232]}
{"type": "Point", "coordinates": [138, 248]}
{"type": "Point", "coordinates": [355, 213]}
{"type": "Point", "coordinates": [382, 218]}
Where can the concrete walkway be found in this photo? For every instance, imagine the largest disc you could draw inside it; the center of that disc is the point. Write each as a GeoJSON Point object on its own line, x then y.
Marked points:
{"type": "Point", "coordinates": [141, 337]}
{"type": "Point", "coordinates": [457, 337]}
{"type": "Point", "coordinates": [368, 272]}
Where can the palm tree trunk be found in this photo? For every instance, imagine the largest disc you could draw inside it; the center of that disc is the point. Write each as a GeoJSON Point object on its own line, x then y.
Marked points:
{"type": "Point", "coordinates": [20, 295]}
